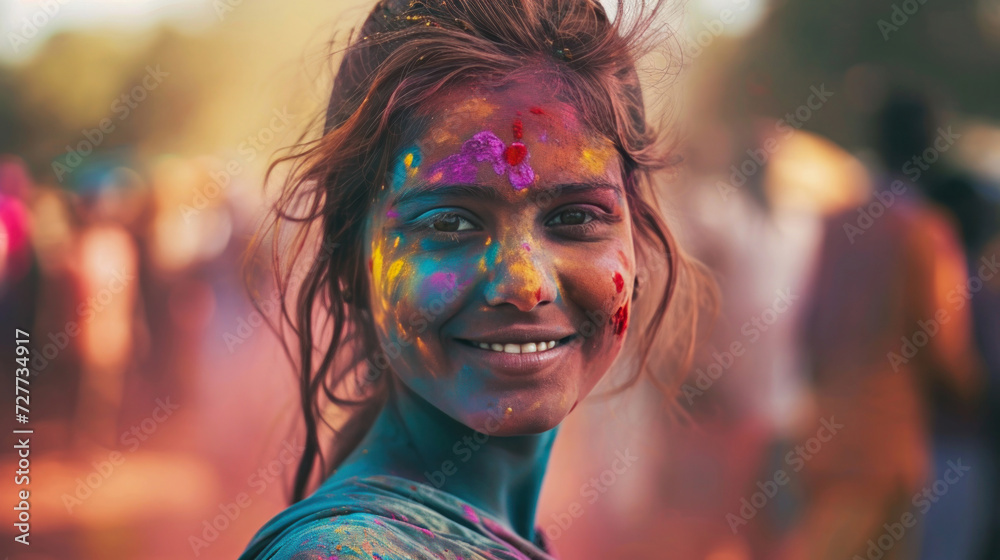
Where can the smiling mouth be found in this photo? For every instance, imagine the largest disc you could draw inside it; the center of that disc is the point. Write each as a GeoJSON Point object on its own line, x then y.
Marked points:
{"type": "Point", "coordinates": [516, 348]}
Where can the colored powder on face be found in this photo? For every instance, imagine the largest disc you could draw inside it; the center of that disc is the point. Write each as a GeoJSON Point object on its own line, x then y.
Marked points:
{"type": "Point", "coordinates": [392, 214]}
{"type": "Point", "coordinates": [375, 264]}
{"type": "Point", "coordinates": [526, 247]}
{"type": "Point", "coordinates": [486, 147]}
{"type": "Point", "coordinates": [620, 320]}
{"type": "Point", "coordinates": [461, 167]}
{"type": "Point", "coordinates": [592, 161]}
{"type": "Point", "coordinates": [406, 166]}
{"type": "Point", "coordinates": [619, 282]}
{"type": "Point", "coordinates": [537, 111]}
{"type": "Point", "coordinates": [442, 281]}
{"type": "Point", "coordinates": [518, 129]}
{"type": "Point", "coordinates": [544, 137]}
{"type": "Point", "coordinates": [521, 175]}
{"type": "Point", "coordinates": [394, 269]}
{"type": "Point", "coordinates": [515, 153]}
{"type": "Point", "coordinates": [538, 294]}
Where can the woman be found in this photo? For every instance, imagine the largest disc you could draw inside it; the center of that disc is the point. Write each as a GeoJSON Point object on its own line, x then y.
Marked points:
{"type": "Point", "coordinates": [483, 189]}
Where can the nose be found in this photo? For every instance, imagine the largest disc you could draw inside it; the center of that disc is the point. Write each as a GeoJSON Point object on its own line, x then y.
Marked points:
{"type": "Point", "coordinates": [519, 275]}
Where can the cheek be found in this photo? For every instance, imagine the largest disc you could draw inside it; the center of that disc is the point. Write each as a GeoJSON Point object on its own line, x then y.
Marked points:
{"type": "Point", "coordinates": [601, 286]}
{"type": "Point", "coordinates": [414, 293]}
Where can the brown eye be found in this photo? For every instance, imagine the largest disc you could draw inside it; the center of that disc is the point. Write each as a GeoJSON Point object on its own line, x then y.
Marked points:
{"type": "Point", "coordinates": [571, 217]}
{"type": "Point", "coordinates": [451, 223]}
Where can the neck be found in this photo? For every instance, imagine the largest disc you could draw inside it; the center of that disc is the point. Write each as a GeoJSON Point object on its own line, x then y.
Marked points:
{"type": "Point", "coordinates": [413, 439]}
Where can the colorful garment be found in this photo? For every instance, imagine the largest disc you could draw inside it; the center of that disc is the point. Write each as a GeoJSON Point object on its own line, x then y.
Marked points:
{"type": "Point", "coordinates": [388, 518]}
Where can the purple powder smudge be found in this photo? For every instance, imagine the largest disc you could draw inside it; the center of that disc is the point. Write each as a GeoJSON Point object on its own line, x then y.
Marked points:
{"type": "Point", "coordinates": [483, 147]}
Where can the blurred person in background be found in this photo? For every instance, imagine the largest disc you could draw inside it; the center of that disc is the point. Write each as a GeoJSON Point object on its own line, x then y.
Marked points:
{"type": "Point", "coordinates": [973, 204]}
{"type": "Point", "coordinates": [879, 333]}
{"type": "Point", "coordinates": [18, 266]}
{"type": "Point", "coordinates": [111, 315]}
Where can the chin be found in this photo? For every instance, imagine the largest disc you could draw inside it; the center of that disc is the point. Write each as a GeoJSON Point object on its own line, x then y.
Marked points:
{"type": "Point", "coordinates": [529, 415]}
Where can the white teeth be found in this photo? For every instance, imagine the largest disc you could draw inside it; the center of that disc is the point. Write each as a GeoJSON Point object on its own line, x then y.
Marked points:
{"type": "Point", "coordinates": [512, 348]}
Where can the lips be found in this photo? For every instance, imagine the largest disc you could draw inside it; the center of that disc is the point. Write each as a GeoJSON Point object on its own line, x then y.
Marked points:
{"type": "Point", "coordinates": [518, 350]}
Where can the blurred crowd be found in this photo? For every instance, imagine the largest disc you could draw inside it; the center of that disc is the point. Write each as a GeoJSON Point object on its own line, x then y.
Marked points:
{"type": "Point", "coordinates": [845, 403]}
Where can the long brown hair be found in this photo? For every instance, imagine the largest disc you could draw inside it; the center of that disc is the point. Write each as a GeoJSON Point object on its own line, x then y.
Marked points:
{"type": "Point", "coordinates": [404, 54]}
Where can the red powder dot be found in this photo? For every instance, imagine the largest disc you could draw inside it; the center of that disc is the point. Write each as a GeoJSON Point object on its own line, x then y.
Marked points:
{"type": "Point", "coordinates": [518, 129]}
{"type": "Point", "coordinates": [537, 111]}
{"type": "Point", "coordinates": [620, 319]}
{"type": "Point", "coordinates": [619, 282]}
{"type": "Point", "coordinates": [538, 294]}
{"type": "Point", "coordinates": [515, 153]}
{"type": "Point", "coordinates": [371, 265]}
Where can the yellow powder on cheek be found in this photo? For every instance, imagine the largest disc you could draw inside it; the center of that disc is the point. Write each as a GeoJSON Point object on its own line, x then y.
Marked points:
{"type": "Point", "coordinates": [376, 264]}
{"type": "Point", "coordinates": [394, 269]}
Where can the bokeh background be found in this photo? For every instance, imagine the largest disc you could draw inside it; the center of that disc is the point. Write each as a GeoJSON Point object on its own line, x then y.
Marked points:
{"type": "Point", "coordinates": [133, 139]}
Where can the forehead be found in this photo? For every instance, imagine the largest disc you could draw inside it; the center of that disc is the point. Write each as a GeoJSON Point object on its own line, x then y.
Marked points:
{"type": "Point", "coordinates": [513, 139]}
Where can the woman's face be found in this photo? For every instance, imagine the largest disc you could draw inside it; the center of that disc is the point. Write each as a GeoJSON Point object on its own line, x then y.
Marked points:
{"type": "Point", "coordinates": [501, 260]}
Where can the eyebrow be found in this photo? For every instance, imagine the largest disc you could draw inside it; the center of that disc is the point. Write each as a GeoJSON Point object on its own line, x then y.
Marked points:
{"type": "Point", "coordinates": [426, 190]}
